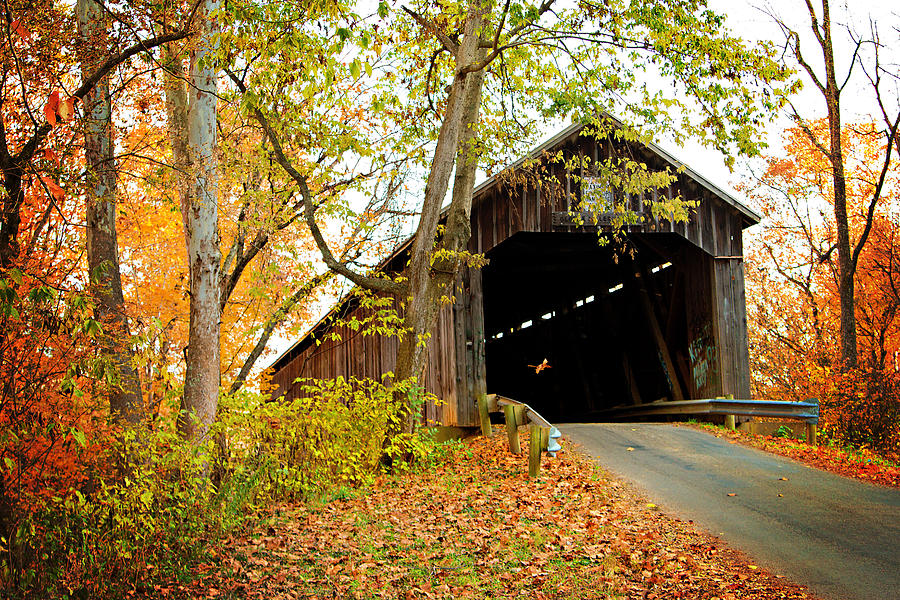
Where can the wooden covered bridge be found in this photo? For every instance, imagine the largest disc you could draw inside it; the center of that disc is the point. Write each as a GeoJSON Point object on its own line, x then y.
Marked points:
{"type": "Point", "coordinates": [657, 313]}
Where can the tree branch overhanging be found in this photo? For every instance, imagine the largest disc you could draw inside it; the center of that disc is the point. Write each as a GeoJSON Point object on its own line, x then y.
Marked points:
{"type": "Point", "coordinates": [365, 281]}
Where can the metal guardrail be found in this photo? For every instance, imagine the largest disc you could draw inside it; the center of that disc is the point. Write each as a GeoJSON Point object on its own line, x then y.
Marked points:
{"type": "Point", "coordinates": [802, 411]}
{"type": "Point", "coordinates": [543, 434]}
{"type": "Point", "coordinates": [532, 415]}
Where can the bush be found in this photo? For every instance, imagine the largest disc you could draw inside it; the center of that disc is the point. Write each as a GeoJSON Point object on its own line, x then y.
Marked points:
{"type": "Point", "coordinates": [154, 518]}
{"type": "Point", "coordinates": [862, 408]}
{"type": "Point", "coordinates": [152, 503]}
{"type": "Point", "coordinates": [341, 433]}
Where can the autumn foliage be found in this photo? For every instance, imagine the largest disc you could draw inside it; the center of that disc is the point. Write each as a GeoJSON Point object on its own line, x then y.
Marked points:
{"type": "Point", "coordinates": [793, 297]}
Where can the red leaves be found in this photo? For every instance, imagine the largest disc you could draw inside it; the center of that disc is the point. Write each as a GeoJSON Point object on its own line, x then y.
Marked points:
{"type": "Point", "coordinates": [20, 30]}
{"type": "Point", "coordinates": [56, 192]}
{"type": "Point", "coordinates": [59, 110]}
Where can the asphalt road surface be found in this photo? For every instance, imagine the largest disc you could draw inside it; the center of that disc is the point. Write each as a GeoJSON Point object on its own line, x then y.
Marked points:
{"type": "Point", "coordinates": [838, 536]}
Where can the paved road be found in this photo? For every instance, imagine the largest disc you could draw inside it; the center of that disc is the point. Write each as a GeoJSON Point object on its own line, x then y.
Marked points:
{"type": "Point", "coordinates": [838, 536]}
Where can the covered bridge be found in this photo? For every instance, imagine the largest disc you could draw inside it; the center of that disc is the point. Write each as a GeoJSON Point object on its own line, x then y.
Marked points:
{"type": "Point", "coordinates": [658, 313]}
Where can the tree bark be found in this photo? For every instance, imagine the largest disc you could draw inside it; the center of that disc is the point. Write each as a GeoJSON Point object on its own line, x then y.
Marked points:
{"type": "Point", "coordinates": [175, 85]}
{"type": "Point", "coordinates": [429, 281]}
{"type": "Point", "coordinates": [202, 377]}
{"type": "Point", "coordinates": [846, 266]}
{"type": "Point", "coordinates": [125, 401]}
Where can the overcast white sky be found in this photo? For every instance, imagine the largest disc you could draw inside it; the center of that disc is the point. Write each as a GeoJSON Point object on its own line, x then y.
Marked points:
{"type": "Point", "coordinates": [750, 21]}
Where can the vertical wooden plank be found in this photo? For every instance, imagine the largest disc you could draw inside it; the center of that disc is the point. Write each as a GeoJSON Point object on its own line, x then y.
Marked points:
{"type": "Point", "coordinates": [478, 338]}
{"type": "Point", "coordinates": [525, 212]}
{"type": "Point", "coordinates": [493, 199]}
{"type": "Point", "coordinates": [693, 230]}
{"type": "Point", "coordinates": [671, 219]}
{"type": "Point", "coordinates": [707, 224]}
{"type": "Point", "coordinates": [741, 341]}
{"type": "Point", "coordinates": [459, 331]}
{"type": "Point", "coordinates": [537, 205]}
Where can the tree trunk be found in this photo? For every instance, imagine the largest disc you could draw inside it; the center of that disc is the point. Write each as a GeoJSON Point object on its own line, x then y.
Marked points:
{"type": "Point", "coordinates": [176, 121]}
{"type": "Point", "coordinates": [846, 266]}
{"type": "Point", "coordinates": [427, 281]}
{"type": "Point", "coordinates": [202, 377]}
{"type": "Point", "coordinates": [126, 401]}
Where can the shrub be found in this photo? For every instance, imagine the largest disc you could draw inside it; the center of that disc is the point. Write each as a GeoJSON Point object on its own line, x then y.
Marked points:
{"type": "Point", "coordinates": [155, 517]}
{"type": "Point", "coordinates": [862, 408]}
{"type": "Point", "coordinates": [149, 504]}
{"type": "Point", "coordinates": [339, 433]}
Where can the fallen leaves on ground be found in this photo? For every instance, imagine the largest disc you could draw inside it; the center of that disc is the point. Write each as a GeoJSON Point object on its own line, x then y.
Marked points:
{"type": "Point", "coordinates": [477, 527]}
{"type": "Point", "coordinates": [857, 463]}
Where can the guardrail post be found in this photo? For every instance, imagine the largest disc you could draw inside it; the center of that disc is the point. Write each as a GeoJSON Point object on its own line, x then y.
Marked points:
{"type": "Point", "coordinates": [520, 415]}
{"type": "Point", "coordinates": [534, 451]}
{"type": "Point", "coordinates": [812, 432]}
{"type": "Point", "coordinates": [729, 419]}
{"type": "Point", "coordinates": [485, 417]}
{"type": "Point", "coordinates": [512, 428]}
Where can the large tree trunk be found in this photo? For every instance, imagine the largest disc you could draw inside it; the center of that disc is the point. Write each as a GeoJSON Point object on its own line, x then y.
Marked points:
{"type": "Point", "coordinates": [202, 377]}
{"type": "Point", "coordinates": [125, 401]}
{"type": "Point", "coordinates": [846, 266]}
{"type": "Point", "coordinates": [429, 282]}
{"type": "Point", "coordinates": [175, 86]}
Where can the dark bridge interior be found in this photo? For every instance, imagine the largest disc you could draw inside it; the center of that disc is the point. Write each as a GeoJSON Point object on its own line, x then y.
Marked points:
{"type": "Point", "coordinates": [565, 298]}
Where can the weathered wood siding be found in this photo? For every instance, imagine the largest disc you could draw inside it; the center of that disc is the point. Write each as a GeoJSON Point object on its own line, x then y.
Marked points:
{"type": "Point", "coordinates": [709, 344]}
{"type": "Point", "coordinates": [455, 369]}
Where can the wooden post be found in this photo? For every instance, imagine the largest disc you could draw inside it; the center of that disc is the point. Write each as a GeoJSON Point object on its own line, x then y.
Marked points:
{"type": "Point", "coordinates": [534, 452]}
{"type": "Point", "coordinates": [512, 428]}
{"type": "Point", "coordinates": [729, 419]}
{"type": "Point", "coordinates": [520, 415]}
{"type": "Point", "coordinates": [812, 431]}
{"type": "Point", "coordinates": [483, 414]}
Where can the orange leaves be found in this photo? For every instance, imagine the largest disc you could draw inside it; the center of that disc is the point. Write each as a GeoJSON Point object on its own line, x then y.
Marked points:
{"type": "Point", "coordinates": [859, 463]}
{"type": "Point", "coordinates": [476, 527]}
{"type": "Point", "coordinates": [20, 30]}
{"type": "Point", "coordinates": [59, 110]}
{"type": "Point", "coordinates": [53, 188]}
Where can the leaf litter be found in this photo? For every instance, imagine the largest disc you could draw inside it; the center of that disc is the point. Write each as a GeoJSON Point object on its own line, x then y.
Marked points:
{"type": "Point", "coordinates": [858, 463]}
{"type": "Point", "coordinates": [475, 526]}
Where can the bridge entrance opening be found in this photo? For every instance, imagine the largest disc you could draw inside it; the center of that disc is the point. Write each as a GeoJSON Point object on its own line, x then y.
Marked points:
{"type": "Point", "coordinates": [609, 321]}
